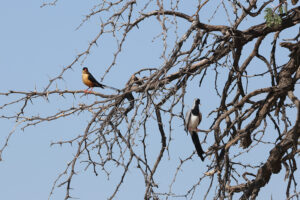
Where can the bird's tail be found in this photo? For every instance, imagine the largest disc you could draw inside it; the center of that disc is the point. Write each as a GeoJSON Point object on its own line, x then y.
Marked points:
{"type": "Point", "coordinates": [197, 144]}
{"type": "Point", "coordinates": [106, 86]}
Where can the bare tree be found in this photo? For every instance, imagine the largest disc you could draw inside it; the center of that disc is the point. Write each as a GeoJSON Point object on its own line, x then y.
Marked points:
{"type": "Point", "coordinates": [245, 114]}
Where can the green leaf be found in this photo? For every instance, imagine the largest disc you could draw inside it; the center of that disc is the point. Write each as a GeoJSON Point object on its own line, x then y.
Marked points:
{"type": "Point", "coordinates": [272, 19]}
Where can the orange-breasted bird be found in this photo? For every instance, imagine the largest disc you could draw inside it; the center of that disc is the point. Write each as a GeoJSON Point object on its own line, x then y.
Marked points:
{"type": "Point", "coordinates": [89, 80]}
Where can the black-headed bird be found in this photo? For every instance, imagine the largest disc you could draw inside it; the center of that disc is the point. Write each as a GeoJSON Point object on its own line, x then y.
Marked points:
{"type": "Point", "coordinates": [192, 120]}
{"type": "Point", "coordinates": [89, 80]}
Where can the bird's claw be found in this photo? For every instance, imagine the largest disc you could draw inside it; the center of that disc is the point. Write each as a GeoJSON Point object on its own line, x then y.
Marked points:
{"type": "Point", "coordinates": [87, 91]}
{"type": "Point", "coordinates": [194, 129]}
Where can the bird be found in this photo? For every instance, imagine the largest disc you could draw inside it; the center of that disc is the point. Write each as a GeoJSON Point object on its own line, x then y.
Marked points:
{"type": "Point", "coordinates": [89, 80]}
{"type": "Point", "coordinates": [192, 120]}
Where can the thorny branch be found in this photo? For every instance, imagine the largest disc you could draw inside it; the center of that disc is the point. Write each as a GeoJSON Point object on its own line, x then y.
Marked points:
{"type": "Point", "coordinates": [243, 113]}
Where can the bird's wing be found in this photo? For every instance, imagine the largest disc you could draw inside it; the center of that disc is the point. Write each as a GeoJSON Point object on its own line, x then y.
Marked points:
{"type": "Point", "coordinates": [92, 79]}
{"type": "Point", "coordinates": [200, 117]}
{"type": "Point", "coordinates": [187, 120]}
{"type": "Point", "coordinates": [197, 144]}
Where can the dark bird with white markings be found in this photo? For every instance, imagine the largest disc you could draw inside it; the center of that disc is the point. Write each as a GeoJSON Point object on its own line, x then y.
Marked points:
{"type": "Point", "coordinates": [192, 120]}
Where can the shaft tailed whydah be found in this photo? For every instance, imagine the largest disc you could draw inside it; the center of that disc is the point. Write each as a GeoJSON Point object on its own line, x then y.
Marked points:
{"type": "Point", "coordinates": [89, 80]}
{"type": "Point", "coordinates": [192, 120]}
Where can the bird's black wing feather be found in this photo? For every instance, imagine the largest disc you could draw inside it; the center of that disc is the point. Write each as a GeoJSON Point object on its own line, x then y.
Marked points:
{"type": "Point", "coordinates": [187, 120]}
{"type": "Point", "coordinates": [97, 84]}
{"type": "Point", "coordinates": [200, 117]}
{"type": "Point", "coordinates": [197, 144]}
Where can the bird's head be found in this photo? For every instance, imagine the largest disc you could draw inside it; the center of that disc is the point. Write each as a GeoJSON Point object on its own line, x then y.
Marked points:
{"type": "Point", "coordinates": [197, 102]}
{"type": "Point", "coordinates": [85, 70]}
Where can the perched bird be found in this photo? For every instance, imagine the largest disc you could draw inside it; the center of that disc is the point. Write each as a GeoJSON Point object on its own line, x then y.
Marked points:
{"type": "Point", "coordinates": [89, 80]}
{"type": "Point", "coordinates": [192, 120]}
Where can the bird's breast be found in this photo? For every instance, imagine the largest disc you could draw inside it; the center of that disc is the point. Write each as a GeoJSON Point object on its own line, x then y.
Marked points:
{"type": "Point", "coordinates": [194, 121]}
{"type": "Point", "coordinates": [86, 81]}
